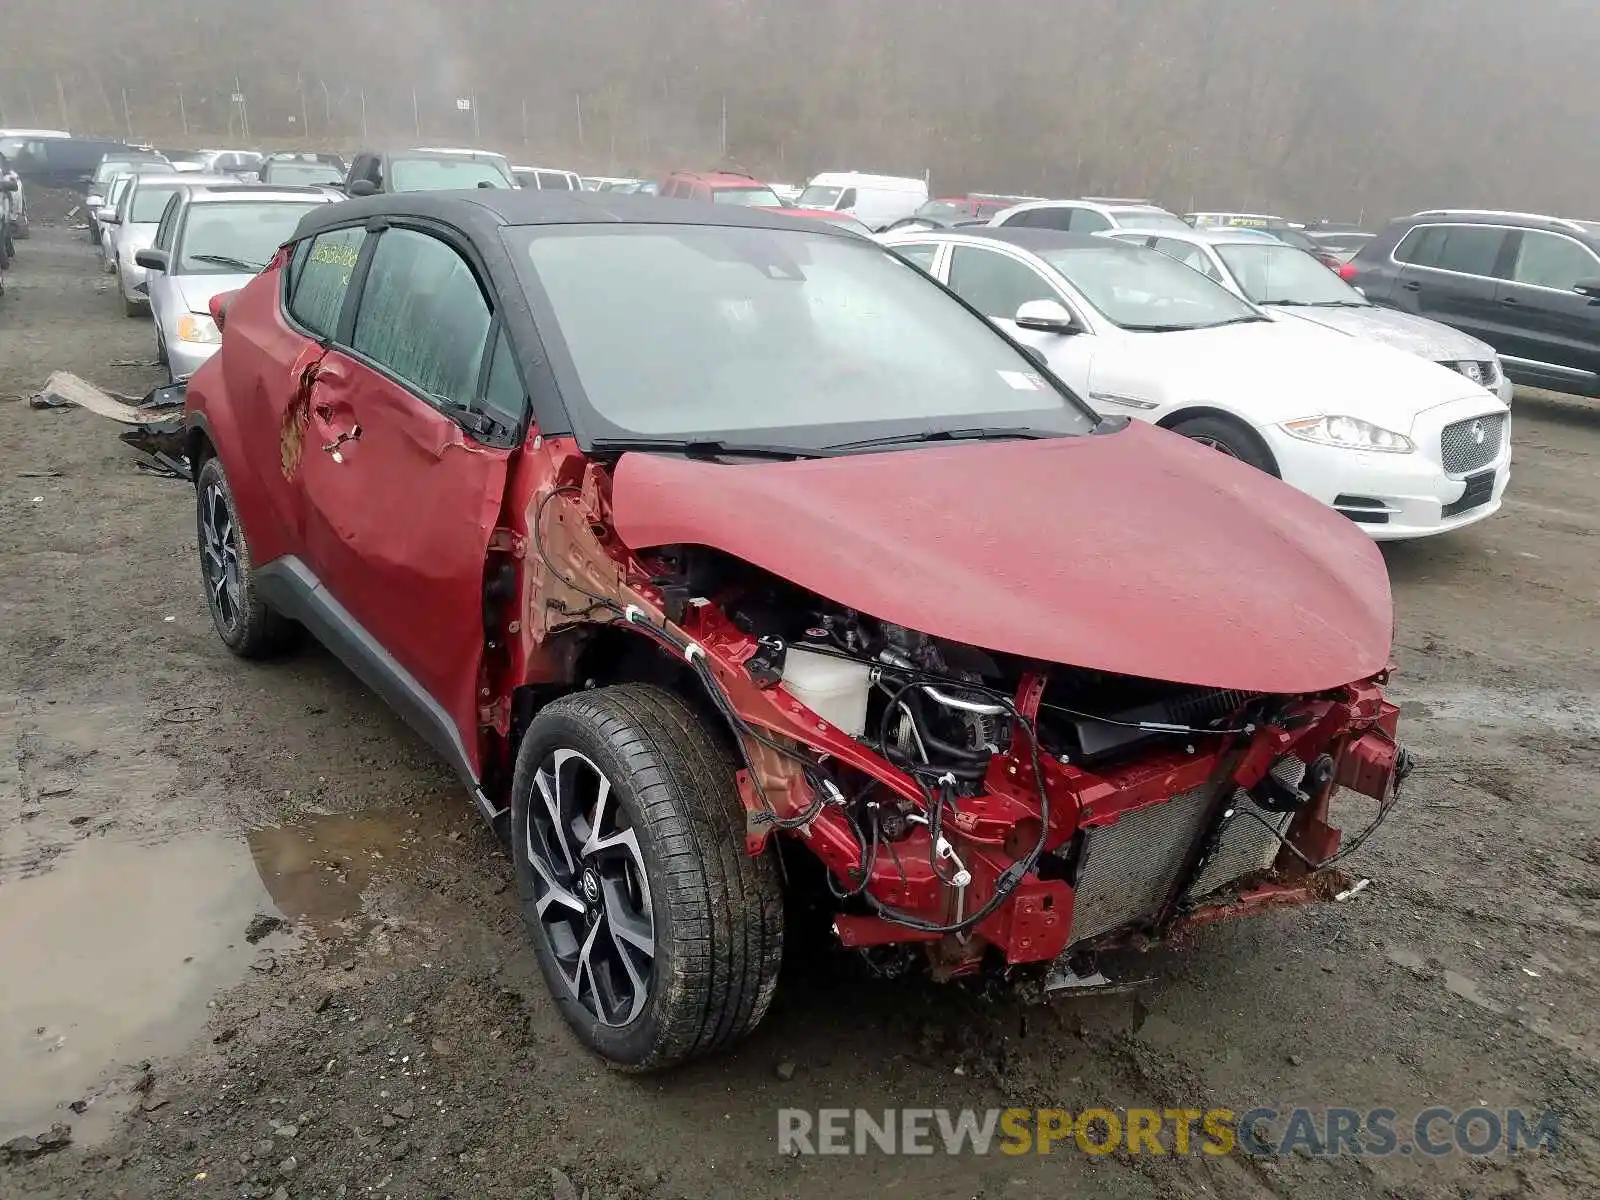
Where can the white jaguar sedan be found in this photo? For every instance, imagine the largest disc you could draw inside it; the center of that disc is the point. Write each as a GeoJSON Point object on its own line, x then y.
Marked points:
{"type": "Point", "coordinates": [1403, 446]}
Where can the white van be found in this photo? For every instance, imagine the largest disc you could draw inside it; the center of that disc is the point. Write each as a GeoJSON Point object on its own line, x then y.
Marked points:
{"type": "Point", "coordinates": [877, 201]}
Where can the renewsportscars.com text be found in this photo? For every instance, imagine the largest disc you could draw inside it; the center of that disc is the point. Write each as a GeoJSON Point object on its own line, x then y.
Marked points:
{"type": "Point", "coordinates": [1257, 1132]}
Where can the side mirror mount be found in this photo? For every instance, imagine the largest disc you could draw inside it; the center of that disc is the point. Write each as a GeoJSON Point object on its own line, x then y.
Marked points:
{"type": "Point", "coordinates": [107, 216]}
{"type": "Point", "coordinates": [1588, 287]}
{"type": "Point", "coordinates": [152, 259]}
{"type": "Point", "coordinates": [1046, 316]}
{"type": "Point", "coordinates": [361, 187]}
{"type": "Point", "coordinates": [219, 305]}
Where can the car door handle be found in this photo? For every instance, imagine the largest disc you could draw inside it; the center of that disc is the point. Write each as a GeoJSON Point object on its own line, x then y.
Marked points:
{"type": "Point", "coordinates": [1411, 285]}
{"type": "Point", "coordinates": [1511, 301]}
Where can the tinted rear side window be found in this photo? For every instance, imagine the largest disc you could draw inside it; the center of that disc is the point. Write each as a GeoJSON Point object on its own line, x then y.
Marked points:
{"type": "Point", "coordinates": [423, 316]}
{"type": "Point", "coordinates": [554, 181]}
{"type": "Point", "coordinates": [322, 276]}
{"type": "Point", "coordinates": [1048, 218]}
{"type": "Point", "coordinates": [1467, 249]}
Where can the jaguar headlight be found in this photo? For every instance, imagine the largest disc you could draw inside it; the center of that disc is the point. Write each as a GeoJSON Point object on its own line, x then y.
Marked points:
{"type": "Point", "coordinates": [1348, 433]}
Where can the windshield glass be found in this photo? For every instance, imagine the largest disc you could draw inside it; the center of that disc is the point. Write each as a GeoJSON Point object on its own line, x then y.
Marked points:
{"type": "Point", "coordinates": [819, 197]}
{"type": "Point", "coordinates": [1278, 274]}
{"type": "Point", "coordinates": [443, 174]}
{"type": "Point", "coordinates": [289, 172]}
{"type": "Point", "coordinates": [235, 237]}
{"type": "Point", "coordinates": [754, 197]}
{"type": "Point", "coordinates": [946, 210]}
{"type": "Point", "coordinates": [1149, 220]}
{"type": "Point", "coordinates": [150, 201]}
{"type": "Point", "coordinates": [783, 336]}
{"type": "Point", "coordinates": [1144, 289]}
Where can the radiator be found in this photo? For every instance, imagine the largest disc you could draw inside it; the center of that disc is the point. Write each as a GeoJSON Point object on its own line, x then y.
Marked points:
{"type": "Point", "coordinates": [1129, 867]}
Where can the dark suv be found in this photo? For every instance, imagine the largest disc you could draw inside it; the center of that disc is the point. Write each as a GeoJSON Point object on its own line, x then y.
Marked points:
{"type": "Point", "coordinates": [1528, 285]}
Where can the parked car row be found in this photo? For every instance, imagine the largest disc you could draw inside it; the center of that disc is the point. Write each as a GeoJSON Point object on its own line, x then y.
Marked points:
{"type": "Point", "coordinates": [1296, 334]}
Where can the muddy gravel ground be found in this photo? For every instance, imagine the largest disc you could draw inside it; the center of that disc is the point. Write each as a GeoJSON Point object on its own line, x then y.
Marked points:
{"type": "Point", "coordinates": [390, 1036]}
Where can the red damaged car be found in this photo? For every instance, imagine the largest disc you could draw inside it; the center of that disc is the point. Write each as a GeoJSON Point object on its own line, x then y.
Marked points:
{"type": "Point", "coordinates": [713, 546]}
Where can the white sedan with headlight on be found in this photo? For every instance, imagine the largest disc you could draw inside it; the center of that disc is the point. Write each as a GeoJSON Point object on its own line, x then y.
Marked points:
{"type": "Point", "coordinates": [1402, 446]}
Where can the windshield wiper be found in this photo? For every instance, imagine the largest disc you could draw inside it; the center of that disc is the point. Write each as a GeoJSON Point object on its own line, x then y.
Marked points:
{"type": "Point", "coordinates": [977, 434]}
{"type": "Point", "coordinates": [1314, 303]}
{"type": "Point", "coordinates": [702, 448]}
{"type": "Point", "coordinates": [224, 260]}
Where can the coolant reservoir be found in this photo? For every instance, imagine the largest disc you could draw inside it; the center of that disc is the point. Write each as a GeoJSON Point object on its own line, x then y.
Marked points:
{"type": "Point", "coordinates": [833, 688]}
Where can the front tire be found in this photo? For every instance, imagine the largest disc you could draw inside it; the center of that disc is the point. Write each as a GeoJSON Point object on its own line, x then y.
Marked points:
{"type": "Point", "coordinates": [243, 620]}
{"type": "Point", "coordinates": [1229, 437]}
{"type": "Point", "coordinates": [658, 935]}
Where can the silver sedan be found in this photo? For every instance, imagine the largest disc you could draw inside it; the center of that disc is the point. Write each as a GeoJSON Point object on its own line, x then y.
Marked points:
{"type": "Point", "coordinates": [213, 240]}
{"type": "Point", "coordinates": [1292, 285]}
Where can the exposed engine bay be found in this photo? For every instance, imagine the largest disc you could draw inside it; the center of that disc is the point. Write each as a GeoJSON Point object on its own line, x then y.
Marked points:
{"type": "Point", "coordinates": [978, 802]}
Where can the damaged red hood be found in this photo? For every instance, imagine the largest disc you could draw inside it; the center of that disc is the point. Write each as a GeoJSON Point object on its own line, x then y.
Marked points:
{"type": "Point", "coordinates": [1137, 552]}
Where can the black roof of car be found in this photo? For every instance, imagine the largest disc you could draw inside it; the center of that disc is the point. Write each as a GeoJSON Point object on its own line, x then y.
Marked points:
{"type": "Point", "coordinates": [483, 211]}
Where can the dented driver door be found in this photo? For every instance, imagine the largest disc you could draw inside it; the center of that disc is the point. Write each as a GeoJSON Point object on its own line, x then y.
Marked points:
{"type": "Point", "coordinates": [399, 497]}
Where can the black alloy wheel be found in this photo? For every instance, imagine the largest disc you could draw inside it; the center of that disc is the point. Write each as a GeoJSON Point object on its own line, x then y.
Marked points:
{"type": "Point", "coordinates": [244, 621]}
{"type": "Point", "coordinates": [659, 937]}
{"type": "Point", "coordinates": [1228, 437]}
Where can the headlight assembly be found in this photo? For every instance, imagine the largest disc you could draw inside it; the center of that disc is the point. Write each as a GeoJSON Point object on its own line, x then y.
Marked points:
{"type": "Point", "coordinates": [197, 327]}
{"type": "Point", "coordinates": [1348, 433]}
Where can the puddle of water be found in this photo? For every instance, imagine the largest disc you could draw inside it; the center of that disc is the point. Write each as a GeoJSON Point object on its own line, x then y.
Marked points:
{"type": "Point", "coordinates": [317, 868]}
{"type": "Point", "coordinates": [110, 958]}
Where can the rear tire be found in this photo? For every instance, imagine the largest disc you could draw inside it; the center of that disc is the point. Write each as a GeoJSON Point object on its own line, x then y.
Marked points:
{"type": "Point", "coordinates": [247, 625]}
{"type": "Point", "coordinates": [625, 816]}
{"type": "Point", "coordinates": [1229, 437]}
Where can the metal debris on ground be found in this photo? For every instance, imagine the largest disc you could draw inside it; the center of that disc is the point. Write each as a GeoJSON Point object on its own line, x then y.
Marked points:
{"type": "Point", "coordinates": [163, 466]}
{"type": "Point", "coordinates": [65, 390]}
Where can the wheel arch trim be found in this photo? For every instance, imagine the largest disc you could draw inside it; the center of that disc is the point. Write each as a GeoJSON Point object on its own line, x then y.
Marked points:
{"type": "Point", "coordinates": [1190, 412]}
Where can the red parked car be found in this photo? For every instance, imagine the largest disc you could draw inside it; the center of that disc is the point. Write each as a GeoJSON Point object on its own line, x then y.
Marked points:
{"type": "Point", "coordinates": [706, 545]}
{"type": "Point", "coordinates": [719, 187]}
